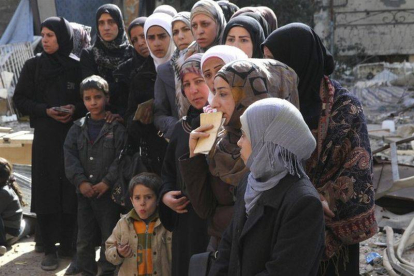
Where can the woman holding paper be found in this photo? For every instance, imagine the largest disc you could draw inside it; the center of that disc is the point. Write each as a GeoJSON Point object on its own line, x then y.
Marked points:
{"type": "Point", "coordinates": [142, 132]}
{"type": "Point", "coordinates": [176, 212]}
{"type": "Point", "coordinates": [277, 227]}
{"type": "Point", "coordinates": [211, 181]}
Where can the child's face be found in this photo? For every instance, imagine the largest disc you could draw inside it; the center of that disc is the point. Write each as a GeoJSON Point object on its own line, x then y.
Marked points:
{"type": "Point", "coordinates": [144, 201]}
{"type": "Point", "coordinates": [95, 101]}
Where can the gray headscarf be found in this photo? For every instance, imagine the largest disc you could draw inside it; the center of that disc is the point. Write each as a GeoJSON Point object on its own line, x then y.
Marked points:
{"type": "Point", "coordinates": [280, 141]}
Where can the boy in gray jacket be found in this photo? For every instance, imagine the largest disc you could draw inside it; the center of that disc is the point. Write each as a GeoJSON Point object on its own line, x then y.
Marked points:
{"type": "Point", "coordinates": [91, 149]}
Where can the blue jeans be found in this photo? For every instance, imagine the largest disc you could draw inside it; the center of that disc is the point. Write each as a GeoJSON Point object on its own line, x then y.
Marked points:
{"type": "Point", "coordinates": [95, 215]}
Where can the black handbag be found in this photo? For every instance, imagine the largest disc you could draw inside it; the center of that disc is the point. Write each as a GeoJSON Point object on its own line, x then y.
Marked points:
{"type": "Point", "coordinates": [201, 263]}
{"type": "Point", "coordinates": [129, 165]}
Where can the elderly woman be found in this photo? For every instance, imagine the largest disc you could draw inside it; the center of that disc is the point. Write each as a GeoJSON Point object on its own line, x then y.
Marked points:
{"type": "Point", "coordinates": [48, 91]}
{"type": "Point", "coordinates": [176, 212]}
{"type": "Point", "coordinates": [277, 226]}
{"type": "Point", "coordinates": [211, 181]}
{"type": "Point", "coordinates": [340, 167]}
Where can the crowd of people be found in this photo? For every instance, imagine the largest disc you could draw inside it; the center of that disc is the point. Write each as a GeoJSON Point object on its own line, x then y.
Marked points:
{"type": "Point", "coordinates": [285, 190]}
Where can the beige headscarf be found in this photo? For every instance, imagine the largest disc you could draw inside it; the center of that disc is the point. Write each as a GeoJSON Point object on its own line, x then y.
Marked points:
{"type": "Point", "coordinates": [250, 80]}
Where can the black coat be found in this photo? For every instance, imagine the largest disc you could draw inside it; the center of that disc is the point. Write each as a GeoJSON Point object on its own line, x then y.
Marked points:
{"type": "Point", "coordinates": [140, 135]}
{"type": "Point", "coordinates": [189, 230]}
{"type": "Point", "coordinates": [283, 235]}
{"type": "Point", "coordinates": [51, 191]}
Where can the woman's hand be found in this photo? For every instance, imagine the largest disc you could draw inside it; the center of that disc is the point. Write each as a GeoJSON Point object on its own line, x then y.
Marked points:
{"type": "Point", "coordinates": [59, 116]}
{"type": "Point", "coordinates": [147, 118]}
{"type": "Point", "coordinates": [176, 203]}
{"type": "Point", "coordinates": [110, 117]}
{"type": "Point", "coordinates": [326, 210]}
{"type": "Point", "coordinates": [124, 250]}
{"type": "Point", "coordinates": [197, 134]}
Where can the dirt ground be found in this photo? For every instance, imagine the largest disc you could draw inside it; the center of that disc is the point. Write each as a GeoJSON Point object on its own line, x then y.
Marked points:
{"type": "Point", "coordinates": [23, 260]}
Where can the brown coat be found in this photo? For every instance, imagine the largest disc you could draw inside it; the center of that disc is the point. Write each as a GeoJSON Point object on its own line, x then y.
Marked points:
{"type": "Point", "coordinates": [211, 197]}
{"type": "Point", "coordinates": [160, 243]}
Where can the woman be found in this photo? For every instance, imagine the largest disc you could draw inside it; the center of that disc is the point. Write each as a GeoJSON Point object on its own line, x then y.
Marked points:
{"type": "Point", "coordinates": [170, 105]}
{"type": "Point", "coordinates": [228, 9]}
{"type": "Point", "coordinates": [210, 182]}
{"type": "Point", "coordinates": [257, 15]}
{"type": "Point", "coordinates": [111, 48]}
{"type": "Point", "coordinates": [277, 227]}
{"type": "Point", "coordinates": [48, 81]}
{"type": "Point", "coordinates": [215, 58]}
{"type": "Point", "coordinates": [176, 212]}
{"type": "Point", "coordinates": [270, 17]}
{"type": "Point", "coordinates": [142, 132]}
{"type": "Point", "coordinates": [207, 25]}
{"type": "Point", "coordinates": [127, 71]}
{"type": "Point", "coordinates": [246, 34]}
{"type": "Point", "coordinates": [340, 167]}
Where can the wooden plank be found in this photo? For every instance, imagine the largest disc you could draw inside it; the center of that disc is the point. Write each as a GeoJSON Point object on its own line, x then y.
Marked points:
{"type": "Point", "coordinates": [7, 137]}
{"type": "Point", "coordinates": [6, 130]}
{"type": "Point", "coordinates": [18, 155]}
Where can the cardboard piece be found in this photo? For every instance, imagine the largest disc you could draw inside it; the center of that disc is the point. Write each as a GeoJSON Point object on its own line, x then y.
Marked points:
{"type": "Point", "coordinates": [204, 145]}
{"type": "Point", "coordinates": [139, 113]}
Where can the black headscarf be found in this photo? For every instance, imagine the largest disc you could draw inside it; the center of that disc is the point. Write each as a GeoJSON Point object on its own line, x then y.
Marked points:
{"type": "Point", "coordinates": [138, 60]}
{"type": "Point", "coordinates": [109, 54]}
{"type": "Point", "coordinates": [246, 11]}
{"type": "Point", "coordinates": [254, 29]}
{"type": "Point", "coordinates": [52, 65]}
{"type": "Point", "coordinates": [140, 21]}
{"type": "Point", "coordinates": [228, 9]}
{"type": "Point", "coordinates": [298, 46]}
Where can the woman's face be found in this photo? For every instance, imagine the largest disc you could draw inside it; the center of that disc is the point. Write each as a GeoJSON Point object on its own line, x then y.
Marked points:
{"type": "Point", "coordinates": [107, 27]}
{"type": "Point", "coordinates": [138, 41]}
{"type": "Point", "coordinates": [239, 37]}
{"type": "Point", "coordinates": [204, 30]}
{"type": "Point", "coordinates": [49, 41]}
{"type": "Point", "coordinates": [245, 147]}
{"type": "Point", "coordinates": [158, 41]}
{"type": "Point", "coordinates": [182, 35]}
{"type": "Point", "coordinates": [196, 90]}
{"type": "Point", "coordinates": [210, 68]}
{"type": "Point", "coordinates": [267, 53]}
{"type": "Point", "coordinates": [223, 99]}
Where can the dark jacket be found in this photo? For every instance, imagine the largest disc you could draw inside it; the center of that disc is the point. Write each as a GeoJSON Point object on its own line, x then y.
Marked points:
{"type": "Point", "coordinates": [283, 235]}
{"type": "Point", "coordinates": [165, 113]}
{"type": "Point", "coordinates": [118, 96]}
{"type": "Point", "coordinates": [189, 230]}
{"type": "Point", "coordinates": [144, 136]}
{"type": "Point", "coordinates": [95, 162]}
{"type": "Point", "coordinates": [51, 191]}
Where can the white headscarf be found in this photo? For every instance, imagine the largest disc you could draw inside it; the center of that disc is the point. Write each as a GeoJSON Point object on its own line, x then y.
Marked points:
{"type": "Point", "coordinates": [224, 52]}
{"type": "Point", "coordinates": [280, 141]}
{"type": "Point", "coordinates": [164, 21]}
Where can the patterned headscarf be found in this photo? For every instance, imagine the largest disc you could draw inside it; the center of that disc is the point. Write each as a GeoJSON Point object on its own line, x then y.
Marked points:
{"type": "Point", "coordinates": [228, 9]}
{"type": "Point", "coordinates": [176, 62]}
{"type": "Point", "coordinates": [254, 29]}
{"type": "Point", "coordinates": [81, 38]}
{"type": "Point", "coordinates": [191, 65]}
{"type": "Point", "coordinates": [280, 141]}
{"type": "Point", "coordinates": [250, 80]}
{"type": "Point", "coordinates": [212, 10]}
{"type": "Point", "coordinates": [162, 20]}
{"type": "Point", "coordinates": [109, 54]}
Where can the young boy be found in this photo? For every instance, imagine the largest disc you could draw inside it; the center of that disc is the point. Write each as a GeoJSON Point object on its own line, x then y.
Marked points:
{"type": "Point", "coordinates": [139, 241]}
{"type": "Point", "coordinates": [91, 150]}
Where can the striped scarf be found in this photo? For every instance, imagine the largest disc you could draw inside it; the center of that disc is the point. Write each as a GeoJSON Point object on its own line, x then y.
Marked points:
{"type": "Point", "coordinates": [144, 249]}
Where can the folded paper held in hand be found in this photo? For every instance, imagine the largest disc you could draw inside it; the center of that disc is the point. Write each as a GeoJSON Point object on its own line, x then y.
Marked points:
{"type": "Point", "coordinates": [142, 107]}
{"type": "Point", "coordinates": [204, 145]}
